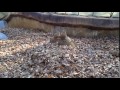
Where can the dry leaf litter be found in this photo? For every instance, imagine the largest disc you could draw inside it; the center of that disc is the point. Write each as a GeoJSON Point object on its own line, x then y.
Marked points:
{"type": "Point", "coordinates": [29, 54]}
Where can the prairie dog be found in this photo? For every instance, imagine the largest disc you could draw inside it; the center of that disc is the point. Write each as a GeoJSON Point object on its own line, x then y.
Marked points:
{"type": "Point", "coordinates": [62, 39]}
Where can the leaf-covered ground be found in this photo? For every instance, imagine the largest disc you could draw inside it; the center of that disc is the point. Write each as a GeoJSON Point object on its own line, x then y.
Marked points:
{"type": "Point", "coordinates": [29, 54]}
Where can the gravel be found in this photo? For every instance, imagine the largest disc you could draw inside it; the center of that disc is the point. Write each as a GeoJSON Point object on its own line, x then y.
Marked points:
{"type": "Point", "coordinates": [29, 54]}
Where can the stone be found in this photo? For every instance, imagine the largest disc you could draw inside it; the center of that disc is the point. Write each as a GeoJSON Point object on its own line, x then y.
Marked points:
{"type": "Point", "coordinates": [2, 24]}
{"type": "Point", "coordinates": [86, 13]}
{"type": "Point", "coordinates": [115, 15]}
{"type": "Point", "coordinates": [102, 14]}
{"type": "Point", "coordinates": [3, 36]}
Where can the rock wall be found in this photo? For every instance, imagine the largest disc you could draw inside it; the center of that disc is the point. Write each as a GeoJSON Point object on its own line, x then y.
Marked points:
{"type": "Point", "coordinates": [74, 26]}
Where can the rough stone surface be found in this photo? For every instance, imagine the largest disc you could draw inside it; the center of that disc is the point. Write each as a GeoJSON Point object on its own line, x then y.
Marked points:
{"type": "Point", "coordinates": [3, 36]}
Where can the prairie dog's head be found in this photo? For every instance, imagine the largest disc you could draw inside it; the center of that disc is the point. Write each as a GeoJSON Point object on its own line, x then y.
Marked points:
{"type": "Point", "coordinates": [60, 35]}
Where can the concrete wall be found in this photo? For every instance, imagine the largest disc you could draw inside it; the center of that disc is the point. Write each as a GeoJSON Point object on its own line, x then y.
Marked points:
{"type": "Point", "coordinates": [71, 31]}
{"type": "Point", "coordinates": [98, 14]}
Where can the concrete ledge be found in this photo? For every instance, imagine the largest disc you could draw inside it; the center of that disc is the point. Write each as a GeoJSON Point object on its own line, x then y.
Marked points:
{"type": "Point", "coordinates": [71, 20]}
{"type": "Point", "coordinates": [73, 25]}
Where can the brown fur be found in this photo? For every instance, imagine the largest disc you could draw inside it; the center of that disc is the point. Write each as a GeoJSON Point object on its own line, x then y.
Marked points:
{"type": "Point", "coordinates": [63, 39]}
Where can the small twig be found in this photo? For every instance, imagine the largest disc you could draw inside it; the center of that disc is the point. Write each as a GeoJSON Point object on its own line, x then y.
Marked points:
{"type": "Point", "coordinates": [92, 13]}
{"type": "Point", "coordinates": [111, 14]}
